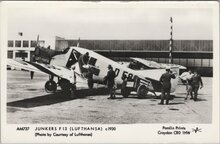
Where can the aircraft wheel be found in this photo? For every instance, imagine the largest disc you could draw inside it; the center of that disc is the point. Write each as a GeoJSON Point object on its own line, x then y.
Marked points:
{"type": "Point", "coordinates": [73, 94]}
{"type": "Point", "coordinates": [65, 85]}
{"type": "Point", "coordinates": [50, 86]}
{"type": "Point", "coordinates": [125, 92]}
{"type": "Point", "coordinates": [142, 91]}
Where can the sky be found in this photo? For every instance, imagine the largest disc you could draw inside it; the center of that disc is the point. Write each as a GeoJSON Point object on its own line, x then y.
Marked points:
{"type": "Point", "coordinates": [110, 22]}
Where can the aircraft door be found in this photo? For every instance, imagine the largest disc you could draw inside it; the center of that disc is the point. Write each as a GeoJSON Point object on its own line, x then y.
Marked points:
{"type": "Point", "coordinates": [92, 61]}
{"type": "Point", "coordinates": [72, 59]}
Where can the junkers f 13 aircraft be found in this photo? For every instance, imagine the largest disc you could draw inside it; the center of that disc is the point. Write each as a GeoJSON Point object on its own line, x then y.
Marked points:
{"type": "Point", "coordinates": [65, 65]}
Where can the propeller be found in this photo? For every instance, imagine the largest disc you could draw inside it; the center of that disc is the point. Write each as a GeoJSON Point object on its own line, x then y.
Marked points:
{"type": "Point", "coordinates": [37, 42]}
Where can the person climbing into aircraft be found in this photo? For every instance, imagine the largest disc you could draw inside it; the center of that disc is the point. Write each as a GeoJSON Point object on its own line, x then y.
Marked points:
{"type": "Point", "coordinates": [110, 79]}
{"type": "Point", "coordinates": [83, 60]}
{"type": "Point", "coordinates": [189, 85]}
{"type": "Point", "coordinates": [196, 82]}
{"type": "Point", "coordinates": [166, 85]}
{"type": "Point", "coordinates": [73, 79]}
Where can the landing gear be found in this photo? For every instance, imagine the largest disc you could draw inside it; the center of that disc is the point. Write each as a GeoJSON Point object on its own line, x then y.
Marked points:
{"type": "Point", "coordinates": [125, 92]}
{"type": "Point", "coordinates": [90, 83]}
{"type": "Point", "coordinates": [73, 94]}
{"type": "Point", "coordinates": [64, 84]}
{"type": "Point", "coordinates": [68, 88]}
{"type": "Point", "coordinates": [142, 91]}
{"type": "Point", "coordinates": [50, 86]}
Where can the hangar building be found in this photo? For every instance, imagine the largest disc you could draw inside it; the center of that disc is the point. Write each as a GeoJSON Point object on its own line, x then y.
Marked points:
{"type": "Point", "coordinates": [194, 54]}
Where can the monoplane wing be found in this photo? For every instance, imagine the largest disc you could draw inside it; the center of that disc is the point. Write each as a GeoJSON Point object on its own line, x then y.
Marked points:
{"type": "Point", "coordinates": [22, 65]}
{"type": "Point", "coordinates": [53, 70]}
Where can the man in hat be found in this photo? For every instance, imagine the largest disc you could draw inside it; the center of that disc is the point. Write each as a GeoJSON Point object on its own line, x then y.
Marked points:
{"type": "Point", "coordinates": [110, 79]}
{"type": "Point", "coordinates": [196, 83]}
{"type": "Point", "coordinates": [83, 60]}
{"type": "Point", "coordinates": [166, 85]}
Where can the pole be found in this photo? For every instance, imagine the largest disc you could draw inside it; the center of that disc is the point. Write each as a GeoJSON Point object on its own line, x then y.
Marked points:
{"type": "Point", "coordinates": [171, 41]}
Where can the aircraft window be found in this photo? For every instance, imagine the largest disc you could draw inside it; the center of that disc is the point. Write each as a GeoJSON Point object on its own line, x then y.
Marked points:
{"type": "Point", "coordinates": [135, 65]}
{"type": "Point", "coordinates": [92, 61]}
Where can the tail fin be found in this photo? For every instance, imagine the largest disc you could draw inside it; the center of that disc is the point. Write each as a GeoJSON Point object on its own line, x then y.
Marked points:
{"type": "Point", "coordinates": [78, 42]}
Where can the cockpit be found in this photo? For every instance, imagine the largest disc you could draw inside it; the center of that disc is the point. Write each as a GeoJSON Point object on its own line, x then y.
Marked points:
{"type": "Point", "coordinates": [142, 64]}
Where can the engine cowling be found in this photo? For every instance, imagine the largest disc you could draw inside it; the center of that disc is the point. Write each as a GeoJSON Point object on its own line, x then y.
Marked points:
{"type": "Point", "coordinates": [44, 55]}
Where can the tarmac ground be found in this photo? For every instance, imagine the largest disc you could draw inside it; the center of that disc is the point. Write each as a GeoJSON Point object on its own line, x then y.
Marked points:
{"type": "Point", "coordinates": [28, 103]}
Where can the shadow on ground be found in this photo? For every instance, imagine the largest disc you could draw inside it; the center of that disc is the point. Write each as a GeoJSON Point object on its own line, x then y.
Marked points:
{"type": "Point", "coordinates": [176, 103]}
{"type": "Point", "coordinates": [58, 97]}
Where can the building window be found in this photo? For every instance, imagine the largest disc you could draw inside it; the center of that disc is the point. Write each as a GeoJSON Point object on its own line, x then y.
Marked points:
{"type": "Point", "coordinates": [10, 43]}
{"type": "Point", "coordinates": [191, 63]}
{"type": "Point", "coordinates": [197, 62]}
{"type": "Point", "coordinates": [10, 54]}
{"type": "Point", "coordinates": [155, 59]}
{"type": "Point", "coordinates": [25, 43]}
{"type": "Point", "coordinates": [206, 63]}
{"type": "Point", "coordinates": [162, 60]}
{"type": "Point", "coordinates": [21, 54]}
{"type": "Point", "coordinates": [210, 62]}
{"type": "Point", "coordinates": [17, 43]}
{"type": "Point", "coordinates": [182, 62]}
{"type": "Point", "coordinates": [176, 61]}
{"type": "Point", "coordinates": [33, 43]}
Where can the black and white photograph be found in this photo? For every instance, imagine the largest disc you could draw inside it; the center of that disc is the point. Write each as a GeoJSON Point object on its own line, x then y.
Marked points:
{"type": "Point", "coordinates": [110, 72]}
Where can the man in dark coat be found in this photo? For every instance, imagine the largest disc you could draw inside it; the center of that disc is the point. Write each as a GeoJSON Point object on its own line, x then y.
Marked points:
{"type": "Point", "coordinates": [83, 60]}
{"type": "Point", "coordinates": [110, 79]}
{"type": "Point", "coordinates": [166, 85]}
{"type": "Point", "coordinates": [89, 76]}
{"type": "Point", "coordinates": [196, 82]}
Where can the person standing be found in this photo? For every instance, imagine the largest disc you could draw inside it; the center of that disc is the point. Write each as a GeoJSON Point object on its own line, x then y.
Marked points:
{"type": "Point", "coordinates": [89, 76]}
{"type": "Point", "coordinates": [189, 85]}
{"type": "Point", "coordinates": [166, 85]}
{"type": "Point", "coordinates": [196, 82]}
{"type": "Point", "coordinates": [110, 79]}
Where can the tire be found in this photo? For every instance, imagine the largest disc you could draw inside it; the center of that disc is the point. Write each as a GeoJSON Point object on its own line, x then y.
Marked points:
{"type": "Point", "coordinates": [142, 91]}
{"type": "Point", "coordinates": [50, 86]}
{"type": "Point", "coordinates": [125, 92]}
{"type": "Point", "coordinates": [65, 85]}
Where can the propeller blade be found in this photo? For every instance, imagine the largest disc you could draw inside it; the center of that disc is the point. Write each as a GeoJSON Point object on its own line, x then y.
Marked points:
{"type": "Point", "coordinates": [37, 42]}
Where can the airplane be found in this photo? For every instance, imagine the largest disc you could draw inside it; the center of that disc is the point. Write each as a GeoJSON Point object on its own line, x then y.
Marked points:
{"type": "Point", "coordinates": [140, 63]}
{"type": "Point", "coordinates": [65, 66]}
